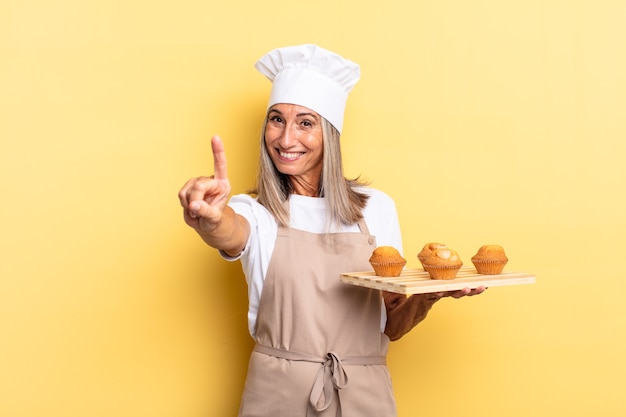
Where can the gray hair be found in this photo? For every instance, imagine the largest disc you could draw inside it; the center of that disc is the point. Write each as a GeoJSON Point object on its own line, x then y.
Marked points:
{"type": "Point", "coordinates": [344, 201]}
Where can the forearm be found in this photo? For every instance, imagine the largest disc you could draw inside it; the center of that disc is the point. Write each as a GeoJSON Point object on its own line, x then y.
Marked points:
{"type": "Point", "coordinates": [404, 313]}
{"type": "Point", "coordinates": [229, 235]}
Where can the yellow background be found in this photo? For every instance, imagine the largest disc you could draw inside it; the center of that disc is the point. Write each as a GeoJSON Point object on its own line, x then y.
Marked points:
{"type": "Point", "coordinates": [487, 121]}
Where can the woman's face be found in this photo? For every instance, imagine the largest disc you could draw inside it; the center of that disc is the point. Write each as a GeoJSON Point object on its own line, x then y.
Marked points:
{"type": "Point", "coordinates": [293, 137]}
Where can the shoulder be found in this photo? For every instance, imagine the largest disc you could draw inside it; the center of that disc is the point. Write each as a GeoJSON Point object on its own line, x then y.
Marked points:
{"type": "Point", "coordinates": [245, 202]}
{"type": "Point", "coordinates": [248, 207]}
{"type": "Point", "coordinates": [378, 200]}
{"type": "Point", "coordinates": [381, 217]}
{"type": "Point", "coordinates": [263, 228]}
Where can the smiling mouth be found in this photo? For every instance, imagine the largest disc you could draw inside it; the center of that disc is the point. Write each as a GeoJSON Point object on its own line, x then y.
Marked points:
{"type": "Point", "coordinates": [290, 155]}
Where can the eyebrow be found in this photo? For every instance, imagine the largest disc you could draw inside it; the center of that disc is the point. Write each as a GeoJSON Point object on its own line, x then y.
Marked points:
{"type": "Point", "coordinates": [297, 115]}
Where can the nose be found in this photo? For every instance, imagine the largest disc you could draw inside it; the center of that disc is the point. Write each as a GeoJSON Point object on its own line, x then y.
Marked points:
{"type": "Point", "coordinates": [289, 136]}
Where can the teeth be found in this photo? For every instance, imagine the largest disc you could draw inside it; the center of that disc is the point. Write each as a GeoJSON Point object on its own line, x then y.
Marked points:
{"type": "Point", "coordinates": [290, 155]}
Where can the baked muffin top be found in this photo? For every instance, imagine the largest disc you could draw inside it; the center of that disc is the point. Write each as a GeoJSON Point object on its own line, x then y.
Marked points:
{"type": "Point", "coordinates": [429, 248]}
{"type": "Point", "coordinates": [444, 257]}
{"type": "Point", "coordinates": [490, 252]}
{"type": "Point", "coordinates": [387, 254]}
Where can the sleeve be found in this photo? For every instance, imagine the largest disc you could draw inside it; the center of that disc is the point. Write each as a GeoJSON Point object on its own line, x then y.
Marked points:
{"type": "Point", "coordinates": [263, 227]}
{"type": "Point", "coordinates": [382, 219]}
{"type": "Point", "coordinates": [257, 252]}
{"type": "Point", "coordinates": [256, 255]}
{"type": "Point", "coordinates": [243, 205]}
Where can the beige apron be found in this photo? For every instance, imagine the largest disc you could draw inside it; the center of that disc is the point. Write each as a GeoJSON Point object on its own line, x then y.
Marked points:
{"type": "Point", "coordinates": [319, 351]}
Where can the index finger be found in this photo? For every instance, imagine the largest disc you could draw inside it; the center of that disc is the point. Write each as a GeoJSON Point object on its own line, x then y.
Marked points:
{"type": "Point", "coordinates": [219, 159]}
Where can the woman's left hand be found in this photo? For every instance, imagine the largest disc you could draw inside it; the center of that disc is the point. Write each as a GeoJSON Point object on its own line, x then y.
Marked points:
{"type": "Point", "coordinates": [404, 313]}
{"type": "Point", "coordinates": [465, 292]}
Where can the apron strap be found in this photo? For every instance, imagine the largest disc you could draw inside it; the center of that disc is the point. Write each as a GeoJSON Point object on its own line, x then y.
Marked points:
{"type": "Point", "coordinates": [330, 378]}
{"type": "Point", "coordinates": [363, 226]}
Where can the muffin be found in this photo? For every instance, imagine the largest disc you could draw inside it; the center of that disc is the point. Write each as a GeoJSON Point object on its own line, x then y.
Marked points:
{"type": "Point", "coordinates": [427, 250]}
{"type": "Point", "coordinates": [490, 260]}
{"type": "Point", "coordinates": [387, 261]}
{"type": "Point", "coordinates": [443, 263]}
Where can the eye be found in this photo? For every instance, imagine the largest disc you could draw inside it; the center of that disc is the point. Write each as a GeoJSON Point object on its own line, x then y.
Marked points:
{"type": "Point", "coordinates": [275, 119]}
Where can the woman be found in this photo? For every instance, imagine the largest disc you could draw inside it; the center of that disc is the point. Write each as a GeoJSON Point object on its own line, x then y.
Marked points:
{"type": "Point", "coordinates": [320, 344]}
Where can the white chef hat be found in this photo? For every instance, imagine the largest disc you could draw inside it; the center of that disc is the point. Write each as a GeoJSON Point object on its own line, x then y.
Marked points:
{"type": "Point", "coordinates": [310, 76]}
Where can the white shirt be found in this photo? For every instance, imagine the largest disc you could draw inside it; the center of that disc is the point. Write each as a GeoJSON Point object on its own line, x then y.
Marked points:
{"type": "Point", "coordinates": [308, 214]}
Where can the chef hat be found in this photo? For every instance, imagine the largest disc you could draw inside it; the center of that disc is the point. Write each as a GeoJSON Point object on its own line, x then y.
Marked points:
{"type": "Point", "coordinates": [310, 76]}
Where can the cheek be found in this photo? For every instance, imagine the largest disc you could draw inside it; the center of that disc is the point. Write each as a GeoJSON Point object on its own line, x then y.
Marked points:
{"type": "Point", "coordinates": [317, 145]}
{"type": "Point", "coordinates": [271, 134]}
{"type": "Point", "coordinates": [268, 150]}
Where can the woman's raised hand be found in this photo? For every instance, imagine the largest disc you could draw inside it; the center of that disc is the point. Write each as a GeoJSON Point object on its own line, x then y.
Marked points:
{"type": "Point", "coordinates": [204, 198]}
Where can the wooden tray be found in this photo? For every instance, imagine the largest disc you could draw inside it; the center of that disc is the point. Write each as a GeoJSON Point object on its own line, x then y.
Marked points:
{"type": "Point", "coordinates": [417, 281]}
